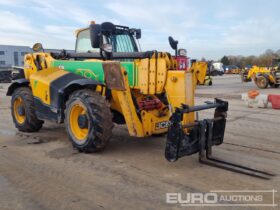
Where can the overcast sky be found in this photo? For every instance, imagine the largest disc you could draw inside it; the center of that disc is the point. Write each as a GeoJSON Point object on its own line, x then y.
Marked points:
{"type": "Point", "coordinates": [208, 29]}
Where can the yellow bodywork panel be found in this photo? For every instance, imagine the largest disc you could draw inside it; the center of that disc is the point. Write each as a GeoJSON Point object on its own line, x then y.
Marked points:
{"type": "Point", "coordinates": [124, 99]}
{"type": "Point", "coordinates": [40, 82]}
{"type": "Point", "coordinates": [180, 89]}
{"type": "Point", "coordinates": [45, 60]}
{"type": "Point", "coordinates": [115, 103]}
{"type": "Point", "coordinates": [178, 85]}
{"type": "Point", "coordinates": [199, 70]}
{"type": "Point", "coordinates": [271, 78]}
{"type": "Point", "coordinates": [255, 69]}
{"type": "Point", "coordinates": [143, 75]}
{"type": "Point", "coordinates": [152, 122]}
{"type": "Point", "coordinates": [29, 65]}
{"type": "Point", "coordinates": [152, 76]}
{"type": "Point", "coordinates": [161, 75]}
{"type": "Point", "coordinates": [148, 122]}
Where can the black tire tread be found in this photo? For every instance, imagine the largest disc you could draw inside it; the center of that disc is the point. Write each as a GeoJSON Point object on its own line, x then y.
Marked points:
{"type": "Point", "coordinates": [257, 82]}
{"type": "Point", "coordinates": [32, 123]}
{"type": "Point", "coordinates": [101, 111]}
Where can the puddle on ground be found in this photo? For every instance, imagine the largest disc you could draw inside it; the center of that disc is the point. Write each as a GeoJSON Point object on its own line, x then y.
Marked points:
{"type": "Point", "coordinates": [62, 153]}
{"type": "Point", "coordinates": [30, 139]}
{"type": "Point", "coordinates": [37, 140]}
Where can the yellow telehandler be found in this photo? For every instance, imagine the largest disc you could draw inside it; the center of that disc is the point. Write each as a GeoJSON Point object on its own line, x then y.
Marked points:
{"type": "Point", "coordinates": [108, 80]}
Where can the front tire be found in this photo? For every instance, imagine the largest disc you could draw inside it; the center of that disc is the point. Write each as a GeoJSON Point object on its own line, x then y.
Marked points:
{"type": "Point", "coordinates": [88, 121]}
{"type": "Point", "coordinates": [23, 111]}
{"type": "Point", "coordinates": [262, 82]}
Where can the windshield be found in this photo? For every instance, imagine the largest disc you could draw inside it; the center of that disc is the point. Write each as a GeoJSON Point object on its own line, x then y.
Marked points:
{"type": "Point", "coordinates": [120, 42]}
{"type": "Point", "coordinates": [123, 43]}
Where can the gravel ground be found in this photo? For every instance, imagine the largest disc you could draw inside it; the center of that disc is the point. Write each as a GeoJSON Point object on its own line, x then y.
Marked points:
{"type": "Point", "coordinates": [42, 170]}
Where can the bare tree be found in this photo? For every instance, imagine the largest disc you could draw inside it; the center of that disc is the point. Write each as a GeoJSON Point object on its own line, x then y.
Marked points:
{"type": "Point", "coordinates": [264, 59]}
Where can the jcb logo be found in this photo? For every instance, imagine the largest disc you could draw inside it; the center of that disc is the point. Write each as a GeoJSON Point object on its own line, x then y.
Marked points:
{"type": "Point", "coordinates": [162, 125]}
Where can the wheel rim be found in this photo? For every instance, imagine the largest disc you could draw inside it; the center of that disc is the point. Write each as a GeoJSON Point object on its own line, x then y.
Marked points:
{"type": "Point", "coordinates": [80, 132]}
{"type": "Point", "coordinates": [19, 110]}
{"type": "Point", "coordinates": [262, 82]}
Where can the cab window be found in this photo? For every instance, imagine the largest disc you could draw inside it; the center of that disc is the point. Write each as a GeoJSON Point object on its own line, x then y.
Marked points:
{"type": "Point", "coordinates": [83, 43]}
{"type": "Point", "coordinates": [120, 42]}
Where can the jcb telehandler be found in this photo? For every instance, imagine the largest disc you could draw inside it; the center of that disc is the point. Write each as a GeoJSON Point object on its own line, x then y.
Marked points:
{"type": "Point", "coordinates": [107, 80]}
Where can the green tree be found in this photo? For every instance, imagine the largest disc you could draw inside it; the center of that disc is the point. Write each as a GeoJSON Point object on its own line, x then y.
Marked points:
{"type": "Point", "coordinates": [225, 60]}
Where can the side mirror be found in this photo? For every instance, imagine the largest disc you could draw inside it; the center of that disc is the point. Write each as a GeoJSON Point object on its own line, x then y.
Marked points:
{"type": "Point", "coordinates": [95, 34]}
{"type": "Point", "coordinates": [173, 43]}
{"type": "Point", "coordinates": [37, 47]}
{"type": "Point", "coordinates": [138, 33]}
{"type": "Point", "coordinates": [107, 28]}
{"type": "Point", "coordinates": [182, 52]}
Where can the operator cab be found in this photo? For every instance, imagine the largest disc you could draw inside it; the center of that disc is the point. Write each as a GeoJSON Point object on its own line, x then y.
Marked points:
{"type": "Point", "coordinates": [120, 38]}
{"type": "Point", "coordinates": [107, 41]}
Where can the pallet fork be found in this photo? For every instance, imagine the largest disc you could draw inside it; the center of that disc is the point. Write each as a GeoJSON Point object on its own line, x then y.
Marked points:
{"type": "Point", "coordinates": [201, 136]}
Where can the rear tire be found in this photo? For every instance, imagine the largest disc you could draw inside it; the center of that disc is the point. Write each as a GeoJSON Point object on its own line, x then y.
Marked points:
{"type": "Point", "coordinates": [262, 82]}
{"type": "Point", "coordinates": [274, 85]}
{"type": "Point", "coordinates": [88, 121]}
{"type": "Point", "coordinates": [23, 111]}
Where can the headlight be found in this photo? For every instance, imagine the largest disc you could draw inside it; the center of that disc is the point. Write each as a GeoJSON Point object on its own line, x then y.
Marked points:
{"type": "Point", "coordinates": [107, 48]}
{"type": "Point", "coordinates": [182, 52]}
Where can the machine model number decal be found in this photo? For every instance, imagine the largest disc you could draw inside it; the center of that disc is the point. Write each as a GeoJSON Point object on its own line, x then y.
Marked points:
{"type": "Point", "coordinates": [162, 125]}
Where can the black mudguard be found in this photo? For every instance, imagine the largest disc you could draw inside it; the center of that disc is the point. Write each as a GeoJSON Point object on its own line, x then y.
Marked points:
{"type": "Point", "coordinates": [16, 84]}
{"type": "Point", "coordinates": [61, 88]}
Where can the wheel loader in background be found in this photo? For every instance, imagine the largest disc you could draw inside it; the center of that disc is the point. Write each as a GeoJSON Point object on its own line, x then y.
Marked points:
{"type": "Point", "coordinates": [107, 80]}
{"type": "Point", "coordinates": [264, 76]}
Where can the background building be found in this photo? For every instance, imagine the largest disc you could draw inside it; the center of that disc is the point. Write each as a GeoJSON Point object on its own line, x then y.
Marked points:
{"type": "Point", "coordinates": [11, 55]}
